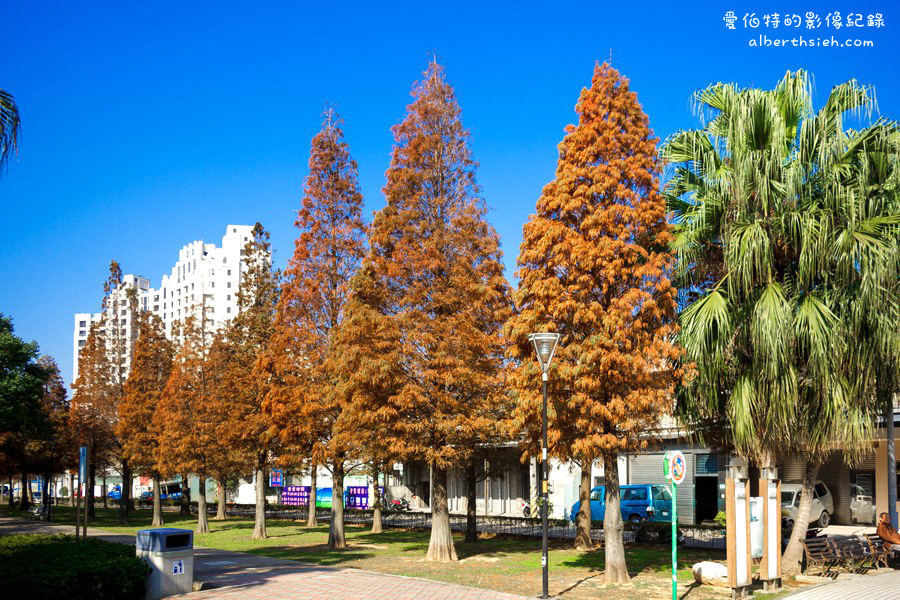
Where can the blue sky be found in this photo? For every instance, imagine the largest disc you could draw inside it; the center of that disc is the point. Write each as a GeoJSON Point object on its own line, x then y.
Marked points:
{"type": "Point", "coordinates": [147, 127]}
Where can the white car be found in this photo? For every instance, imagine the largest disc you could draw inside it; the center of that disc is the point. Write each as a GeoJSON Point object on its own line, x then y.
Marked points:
{"type": "Point", "coordinates": [862, 506]}
{"type": "Point", "coordinates": [822, 504]}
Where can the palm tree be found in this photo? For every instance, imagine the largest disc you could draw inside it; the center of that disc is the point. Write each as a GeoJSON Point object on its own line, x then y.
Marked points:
{"type": "Point", "coordinates": [784, 236]}
{"type": "Point", "coordinates": [9, 126]}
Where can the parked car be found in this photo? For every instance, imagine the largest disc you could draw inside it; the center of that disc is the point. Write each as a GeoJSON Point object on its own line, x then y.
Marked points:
{"type": "Point", "coordinates": [639, 502]}
{"type": "Point", "coordinates": [822, 504]}
{"type": "Point", "coordinates": [146, 496]}
{"type": "Point", "coordinates": [862, 505]}
{"type": "Point", "coordinates": [115, 493]}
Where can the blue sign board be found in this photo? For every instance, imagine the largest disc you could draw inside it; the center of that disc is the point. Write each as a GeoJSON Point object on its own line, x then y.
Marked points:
{"type": "Point", "coordinates": [82, 464]}
{"type": "Point", "coordinates": [276, 478]}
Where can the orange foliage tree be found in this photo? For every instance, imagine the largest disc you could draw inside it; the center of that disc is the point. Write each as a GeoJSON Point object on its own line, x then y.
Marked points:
{"type": "Point", "coordinates": [245, 427]}
{"type": "Point", "coordinates": [594, 265]}
{"type": "Point", "coordinates": [433, 287]}
{"type": "Point", "coordinates": [103, 368]}
{"type": "Point", "coordinates": [144, 387]}
{"type": "Point", "coordinates": [303, 403]}
{"type": "Point", "coordinates": [186, 415]}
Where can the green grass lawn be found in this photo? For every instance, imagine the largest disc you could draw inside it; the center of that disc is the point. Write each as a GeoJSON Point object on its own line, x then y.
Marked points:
{"type": "Point", "coordinates": [505, 563]}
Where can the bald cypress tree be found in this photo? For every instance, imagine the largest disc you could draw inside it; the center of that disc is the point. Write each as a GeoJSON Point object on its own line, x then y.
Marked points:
{"type": "Point", "coordinates": [144, 387]}
{"type": "Point", "coordinates": [594, 265]}
{"type": "Point", "coordinates": [433, 286]}
{"type": "Point", "coordinates": [303, 400]}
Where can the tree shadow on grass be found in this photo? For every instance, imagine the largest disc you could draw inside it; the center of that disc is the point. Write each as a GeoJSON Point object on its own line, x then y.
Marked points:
{"type": "Point", "coordinates": [318, 554]}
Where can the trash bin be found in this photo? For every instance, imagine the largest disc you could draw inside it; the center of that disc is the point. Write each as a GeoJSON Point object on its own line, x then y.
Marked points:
{"type": "Point", "coordinates": [170, 554]}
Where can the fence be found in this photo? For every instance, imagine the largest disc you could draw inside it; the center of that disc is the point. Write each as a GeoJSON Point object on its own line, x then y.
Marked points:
{"type": "Point", "coordinates": [691, 536]}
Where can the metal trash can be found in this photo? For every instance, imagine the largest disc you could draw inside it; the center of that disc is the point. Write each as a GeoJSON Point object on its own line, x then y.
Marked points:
{"type": "Point", "coordinates": [170, 554]}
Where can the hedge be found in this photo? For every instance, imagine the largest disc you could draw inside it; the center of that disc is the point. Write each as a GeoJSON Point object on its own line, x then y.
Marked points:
{"type": "Point", "coordinates": [51, 567]}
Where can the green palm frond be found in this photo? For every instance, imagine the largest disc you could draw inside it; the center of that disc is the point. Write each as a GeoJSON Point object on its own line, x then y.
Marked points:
{"type": "Point", "coordinates": [9, 126]}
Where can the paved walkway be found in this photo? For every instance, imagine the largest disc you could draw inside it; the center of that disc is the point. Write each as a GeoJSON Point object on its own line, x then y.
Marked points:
{"type": "Point", "coordinates": [248, 576]}
{"type": "Point", "coordinates": [885, 586]}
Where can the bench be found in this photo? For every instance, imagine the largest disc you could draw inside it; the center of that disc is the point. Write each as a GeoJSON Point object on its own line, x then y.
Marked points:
{"type": "Point", "coordinates": [822, 553]}
{"type": "Point", "coordinates": [40, 512]}
{"type": "Point", "coordinates": [881, 552]}
{"type": "Point", "coordinates": [856, 553]}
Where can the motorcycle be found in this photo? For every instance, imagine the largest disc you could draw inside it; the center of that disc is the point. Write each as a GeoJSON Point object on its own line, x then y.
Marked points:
{"type": "Point", "coordinates": [401, 504]}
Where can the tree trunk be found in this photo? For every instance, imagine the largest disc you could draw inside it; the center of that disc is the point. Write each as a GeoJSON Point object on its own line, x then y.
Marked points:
{"type": "Point", "coordinates": [583, 519]}
{"type": "Point", "coordinates": [471, 506]}
{"type": "Point", "coordinates": [23, 505]}
{"type": "Point", "coordinates": [185, 508]}
{"type": "Point", "coordinates": [790, 560]}
{"type": "Point", "coordinates": [104, 491]}
{"type": "Point", "coordinates": [376, 502]}
{"type": "Point", "coordinates": [220, 493]}
{"type": "Point", "coordinates": [336, 538]}
{"type": "Point", "coordinates": [157, 503]}
{"type": "Point", "coordinates": [71, 489]}
{"type": "Point", "coordinates": [10, 499]}
{"type": "Point", "coordinates": [202, 517]}
{"type": "Point", "coordinates": [92, 481]}
{"type": "Point", "coordinates": [613, 529]}
{"type": "Point", "coordinates": [311, 520]}
{"type": "Point", "coordinates": [259, 525]}
{"type": "Point", "coordinates": [124, 492]}
{"type": "Point", "coordinates": [440, 546]}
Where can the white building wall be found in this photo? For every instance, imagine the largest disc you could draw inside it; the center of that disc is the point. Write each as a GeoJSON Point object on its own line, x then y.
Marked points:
{"type": "Point", "coordinates": [203, 274]}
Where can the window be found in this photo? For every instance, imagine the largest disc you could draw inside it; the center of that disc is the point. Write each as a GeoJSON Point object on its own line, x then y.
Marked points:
{"type": "Point", "coordinates": [192, 286]}
{"type": "Point", "coordinates": [156, 298]}
{"type": "Point", "coordinates": [80, 343]}
{"type": "Point", "coordinates": [597, 495]}
{"type": "Point", "coordinates": [82, 333]}
{"type": "Point", "coordinates": [821, 490]}
{"type": "Point", "coordinates": [228, 284]}
{"type": "Point", "coordinates": [228, 297]}
{"type": "Point", "coordinates": [228, 310]}
{"type": "Point", "coordinates": [661, 492]}
{"type": "Point", "coordinates": [156, 308]}
{"type": "Point", "coordinates": [229, 272]}
{"type": "Point", "coordinates": [635, 494]}
{"type": "Point", "coordinates": [82, 323]}
{"type": "Point", "coordinates": [124, 312]}
{"type": "Point", "coordinates": [212, 284]}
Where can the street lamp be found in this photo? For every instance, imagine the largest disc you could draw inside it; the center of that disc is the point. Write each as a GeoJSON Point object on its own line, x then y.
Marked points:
{"type": "Point", "coordinates": [544, 346]}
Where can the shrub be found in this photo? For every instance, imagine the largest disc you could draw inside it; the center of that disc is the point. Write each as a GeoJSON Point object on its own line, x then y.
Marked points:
{"type": "Point", "coordinates": [51, 567]}
{"type": "Point", "coordinates": [720, 519]}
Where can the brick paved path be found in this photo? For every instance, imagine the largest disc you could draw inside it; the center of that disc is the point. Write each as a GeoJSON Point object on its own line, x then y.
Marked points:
{"type": "Point", "coordinates": [884, 586]}
{"type": "Point", "coordinates": [248, 576]}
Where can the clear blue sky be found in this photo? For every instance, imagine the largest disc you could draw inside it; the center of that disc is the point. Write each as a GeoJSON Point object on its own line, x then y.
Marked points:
{"type": "Point", "coordinates": [145, 128]}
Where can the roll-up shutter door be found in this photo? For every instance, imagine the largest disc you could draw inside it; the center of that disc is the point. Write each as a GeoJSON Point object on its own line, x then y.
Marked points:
{"type": "Point", "coordinates": [648, 468]}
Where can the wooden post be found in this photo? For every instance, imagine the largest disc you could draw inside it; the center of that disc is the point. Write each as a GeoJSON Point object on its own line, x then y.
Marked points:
{"type": "Point", "coordinates": [737, 527]}
{"type": "Point", "coordinates": [770, 567]}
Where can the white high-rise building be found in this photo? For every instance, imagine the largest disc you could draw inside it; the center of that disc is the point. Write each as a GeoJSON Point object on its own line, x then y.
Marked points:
{"type": "Point", "coordinates": [203, 275]}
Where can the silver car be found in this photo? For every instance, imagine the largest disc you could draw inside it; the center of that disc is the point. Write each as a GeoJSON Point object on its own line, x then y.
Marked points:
{"type": "Point", "coordinates": [822, 504]}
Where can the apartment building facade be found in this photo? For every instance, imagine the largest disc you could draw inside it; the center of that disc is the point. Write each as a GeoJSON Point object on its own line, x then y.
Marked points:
{"type": "Point", "coordinates": [204, 280]}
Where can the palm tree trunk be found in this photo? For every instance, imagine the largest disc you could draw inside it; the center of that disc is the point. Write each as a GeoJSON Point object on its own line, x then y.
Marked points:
{"type": "Point", "coordinates": [336, 538]}
{"type": "Point", "coordinates": [613, 529]}
{"type": "Point", "coordinates": [376, 505]}
{"type": "Point", "coordinates": [220, 493]}
{"type": "Point", "coordinates": [440, 546]}
{"type": "Point", "coordinates": [790, 560]}
{"type": "Point", "coordinates": [157, 503]}
{"type": "Point", "coordinates": [311, 520]}
{"type": "Point", "coordinates": [583, 519]}
{"type": "Point", "coordinates": [471, 504]}
{"type": "Point", "coordinates": [259, 523]}
{"type": "Point", "coordinates": [202, 517]}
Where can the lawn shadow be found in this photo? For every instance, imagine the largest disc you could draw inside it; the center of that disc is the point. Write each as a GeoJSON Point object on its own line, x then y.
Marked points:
{"type": "Point", "coordinates": [318, 554]}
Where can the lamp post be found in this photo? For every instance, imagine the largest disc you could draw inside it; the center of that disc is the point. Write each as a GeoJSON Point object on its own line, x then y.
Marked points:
{"type": "Point", "coordinates": [544, 346]}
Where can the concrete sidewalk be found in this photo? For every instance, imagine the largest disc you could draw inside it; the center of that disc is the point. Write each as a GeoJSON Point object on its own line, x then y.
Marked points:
{"type": "Point", "coordinates": [884, 586]}
{"type": "Point", "coordinates": [240, 575]}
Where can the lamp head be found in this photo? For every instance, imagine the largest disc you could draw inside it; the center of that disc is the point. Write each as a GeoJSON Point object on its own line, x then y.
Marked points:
{"type": "Point", "coordinates": [544, 346]}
